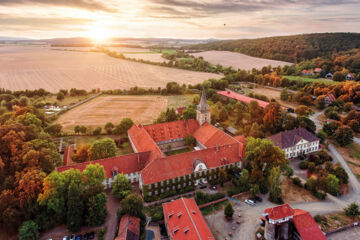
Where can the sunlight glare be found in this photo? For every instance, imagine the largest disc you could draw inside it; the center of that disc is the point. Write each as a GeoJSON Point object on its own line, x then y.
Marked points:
{"type": "Point", "coordinates": [99, 32]}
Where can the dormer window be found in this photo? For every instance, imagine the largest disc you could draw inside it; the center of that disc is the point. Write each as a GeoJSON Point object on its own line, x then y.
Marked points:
{"type": "Point", "coordinates": [114, 173]}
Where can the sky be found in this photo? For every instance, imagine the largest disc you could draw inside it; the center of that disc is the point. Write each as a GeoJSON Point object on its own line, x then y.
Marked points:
{"type": "Point", "coordinates": [194, 19]}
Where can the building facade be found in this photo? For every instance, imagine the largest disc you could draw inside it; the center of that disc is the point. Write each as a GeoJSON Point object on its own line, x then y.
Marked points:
{"type": "Point", "coordinates": [296, 142]}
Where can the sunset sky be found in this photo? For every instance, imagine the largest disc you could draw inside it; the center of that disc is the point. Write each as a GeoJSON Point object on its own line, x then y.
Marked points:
{"type": "Point", "coordinates": [176, 18]}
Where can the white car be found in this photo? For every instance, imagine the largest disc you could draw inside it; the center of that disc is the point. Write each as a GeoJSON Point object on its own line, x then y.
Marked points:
{"type": "Point", "coordinates": [250, 202]}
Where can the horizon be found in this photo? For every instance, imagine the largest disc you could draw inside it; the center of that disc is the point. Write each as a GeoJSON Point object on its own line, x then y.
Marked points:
{"type": "Point", "coordinates": [39, 19]}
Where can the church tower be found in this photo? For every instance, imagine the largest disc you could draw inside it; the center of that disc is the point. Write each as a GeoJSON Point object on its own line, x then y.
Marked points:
{"type": "Point", "coordinates": [203, 110]}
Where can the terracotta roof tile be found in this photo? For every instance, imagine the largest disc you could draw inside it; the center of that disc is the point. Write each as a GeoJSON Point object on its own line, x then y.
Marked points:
{"type": "Point", "coordinates": [243, 98]}
{"type": "Point", "coordinates": [125, 164]}
{"type": "Point", "coordinates": [171, 130]}
{"type": "Point", "coordinates": [129, 228]}
{"type": "Point", "coordinates": [182, 164]}
{"type": "Point", "coordinates": [185, 221]}
{"type": "Point", "coordinates": [279, 212]}
{"type": "Point", "coordinates": [306, 226]}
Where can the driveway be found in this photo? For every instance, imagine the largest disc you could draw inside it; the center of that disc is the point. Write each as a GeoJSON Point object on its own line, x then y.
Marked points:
{"type": "Point", "coordinates": [315, 118]}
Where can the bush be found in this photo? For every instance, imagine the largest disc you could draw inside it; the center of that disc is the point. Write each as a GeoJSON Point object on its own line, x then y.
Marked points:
{"type": "Point", "coordinates": [303, 165]}
{"type": "Point", "coordinates": [29, 230]}
{"type": "Point", "coordinates": [202, 198]}
{"type": "Point", "coordinates": [229, 211]}
{"type": "Point", "coordinates": [319, 195]}
{"type": "Point", "coordinates": [352, 210]}
{"type": "Point", "coordinates": [297, 182]}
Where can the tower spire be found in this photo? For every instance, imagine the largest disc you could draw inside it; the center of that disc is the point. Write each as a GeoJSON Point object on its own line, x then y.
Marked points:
{"type": "Point", "coordinates": [203, 110]}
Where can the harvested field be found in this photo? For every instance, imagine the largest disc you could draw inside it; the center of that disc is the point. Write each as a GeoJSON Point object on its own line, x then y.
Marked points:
{"type": "Point", "coordinates": [32, 67]}
{"type": "Point", "coordinates": [153, 57]}
{"type": "Point", "coordinates": [238, 60]}
{"type": "Point", "coordinates": [103, 109]}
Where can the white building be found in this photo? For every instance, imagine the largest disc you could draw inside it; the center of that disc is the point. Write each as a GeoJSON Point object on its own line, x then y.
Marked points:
{"type": "Point", "coordinates": [296, 142]}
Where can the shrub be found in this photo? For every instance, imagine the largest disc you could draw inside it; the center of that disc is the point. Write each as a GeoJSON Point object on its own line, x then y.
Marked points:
{"type": "Point", "coordinates": [202, 198]}
{"type": "Point", "coordinates": [352, 210]}
{"type": "Point", "coordinates": [229, 211]}
{"type": "Point", "coordinates": [297, 182]}
{"type": "Point", "coordinates": [303, 165]}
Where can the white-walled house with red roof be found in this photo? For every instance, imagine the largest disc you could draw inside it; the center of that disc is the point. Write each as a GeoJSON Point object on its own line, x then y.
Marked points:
{"type": "Point", "coordinates": [157, 173]}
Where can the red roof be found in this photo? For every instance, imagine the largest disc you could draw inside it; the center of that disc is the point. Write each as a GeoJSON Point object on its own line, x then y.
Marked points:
{"type": "Point", "coordinates": [184, 220]}
{"type": "Point", "coordinates": [183, 164]}
{"type": "Point", "coordinates": [318, 69]}
{"type": "Point", "coordinates": [67, 155]}
{"type": "Point", "coordinates": [171, 130]}
{"type": "Point", "coordinates": [142, 142]}
{"type": "Point", "coordinates": [243, 98]}
{"type": "Point", "coordinates": [306, 226]}
{"type": "Point", "coordinates": [125, 164]}
{"type": "Point", "coordinates": [180, 110]}
{"type": "Point", "coordinates": [279, 212]}
{"type": "Point", "coordinates": [210, 136]}
{"type": "Point", "coordinates": [129, 228]}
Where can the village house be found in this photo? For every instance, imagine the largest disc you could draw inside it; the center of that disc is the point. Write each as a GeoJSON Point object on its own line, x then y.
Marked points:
{"type": "Point", "coordinates": [329, 99]}
{"type": "Point", "coordinates": [283, 222]}
{"type": "Point", "coordinates": [350, 76]}
{"type": "Point", "coordinates": [307, 72]}
{"type": "Point", "coordinates": [183, 220]}
{"type": "Point", "coordinates": [157, 173]}
{"type": "Point", "coordinates": [329, 75]}
{"type": "Point", "coordinates": [296, 142]}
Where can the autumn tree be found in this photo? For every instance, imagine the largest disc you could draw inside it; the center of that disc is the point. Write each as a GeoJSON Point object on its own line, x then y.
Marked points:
{"type": "Point", "coordinates": [344, 135]}
{"type": "Point", "coordinates": [82, 154]}
{"type": "Point", "coordinates": [303, 110]}
{"type": "Point", "coordinates": [272, 117]}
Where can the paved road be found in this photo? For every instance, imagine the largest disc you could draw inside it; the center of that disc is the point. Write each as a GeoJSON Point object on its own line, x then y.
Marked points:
{"type": "Point", "coordinates": [355, 185]}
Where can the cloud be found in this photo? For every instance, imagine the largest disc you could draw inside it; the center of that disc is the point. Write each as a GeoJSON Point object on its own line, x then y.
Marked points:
{"type": "Point", "coordinates": [7, 22]}
{"type": "Point", "coordinates": [84, 4]}
{"type": "Point", "coordinates": [208, 8]}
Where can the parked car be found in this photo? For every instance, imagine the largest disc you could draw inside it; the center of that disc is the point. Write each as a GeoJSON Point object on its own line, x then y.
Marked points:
{"type": "Point", "coordinates": [65, 238]}
{"type": "Point", "coordinates": [86, 236]}
{"type": "Point", "coordinates": [250, 202]}
{"type": "Point", "coordinates": [72, 237]}
{"type": "Point", "coordinates": [213, 187]}
{"type": "Point", "coordinates": [258, 199]}
{"type": "Point", "coordinates": [91, 235]}
{"type": "Point", "coordinates": [79, 237]}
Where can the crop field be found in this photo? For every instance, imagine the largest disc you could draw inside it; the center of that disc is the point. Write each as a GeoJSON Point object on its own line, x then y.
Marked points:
{"type": "Point", "coordinates": [237, 60]}
{"type": "Point", "coordinates": [32, 67]}
{"type": "Point", "coordinates": [103, 109]}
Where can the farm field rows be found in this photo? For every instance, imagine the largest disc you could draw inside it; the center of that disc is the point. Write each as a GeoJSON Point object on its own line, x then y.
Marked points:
{"type": "Point", "coordinates": [237, 60]}
{"type": "Point", "coordinates": [153, 57]}
{"type": "Point", "coordinates": [29, 67]}
{"type": "Point", "coordinates": [103, 109]}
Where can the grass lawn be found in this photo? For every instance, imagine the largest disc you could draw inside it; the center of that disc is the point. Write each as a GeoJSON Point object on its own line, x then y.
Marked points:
{"type": "Point", "coordinates": [307, 79]}
{"type": "Point", "coordinates": [177, 101]}
{"type": "Point", "coordinates": [213, 208]}
{"type": "Point", "coordinates": [184, 150]}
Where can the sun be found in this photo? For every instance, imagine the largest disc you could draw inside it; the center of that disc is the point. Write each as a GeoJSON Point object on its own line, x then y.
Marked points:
{"type": "Point", "coordinates": [99, 32]}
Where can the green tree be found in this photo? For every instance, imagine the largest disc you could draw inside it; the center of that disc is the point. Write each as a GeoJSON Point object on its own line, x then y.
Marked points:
{"type": "Point", "coordinates": [284, 95]}
{"type": "Point", "coordinates": [189, 113]}
{"type": "Point", "coordinates": [190, 140]}
{"type": "Point", "coordinates": [352, 210]}
{"type": "Point", "coordinates": [229, 211]}
{"type": "Point", "coordinates": [332, 184]}
{"type": "Point", "coordinates": [54, 129]}
{"type": "Point", "coordinates": [97, 131]}
{"type": "Point", "coordinates": [342, 175]}
{"type": "Point", "coordinates": [263, 155]}
{"type": "Point", "coordinates": [96, 210]}
{"type": "Point", "coordinates": [124, 126]}
{"type": "Point", "coordinates": [109, 126]}
{"type": "Point", "coordinates": [60, 96]}
{"type": "Point", "coordinates": [344, 135]}
{"type": "Point", "coordinates": [121, 186]}
{"type": "Point", "coordinates": [83, 129]}
{"type": "Point", "coordinates": [133, 205]}
{"type": "Point", "coordinates": [77, 129]}
{"type": "Point", "coordinates": [275, 188]}
{"type": "Point", "coordinates": [75, 208]}
{"type": "Point", "coordinates": [29, 230]}
{"type": "Point", "coordinates": [254, 189]}
{"type": "Point", "coordinates": [94, 174]}
{"type": "Point", "coordinates": [103, 148]}
{"type": "Point", "coordinates": [303, 110]}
